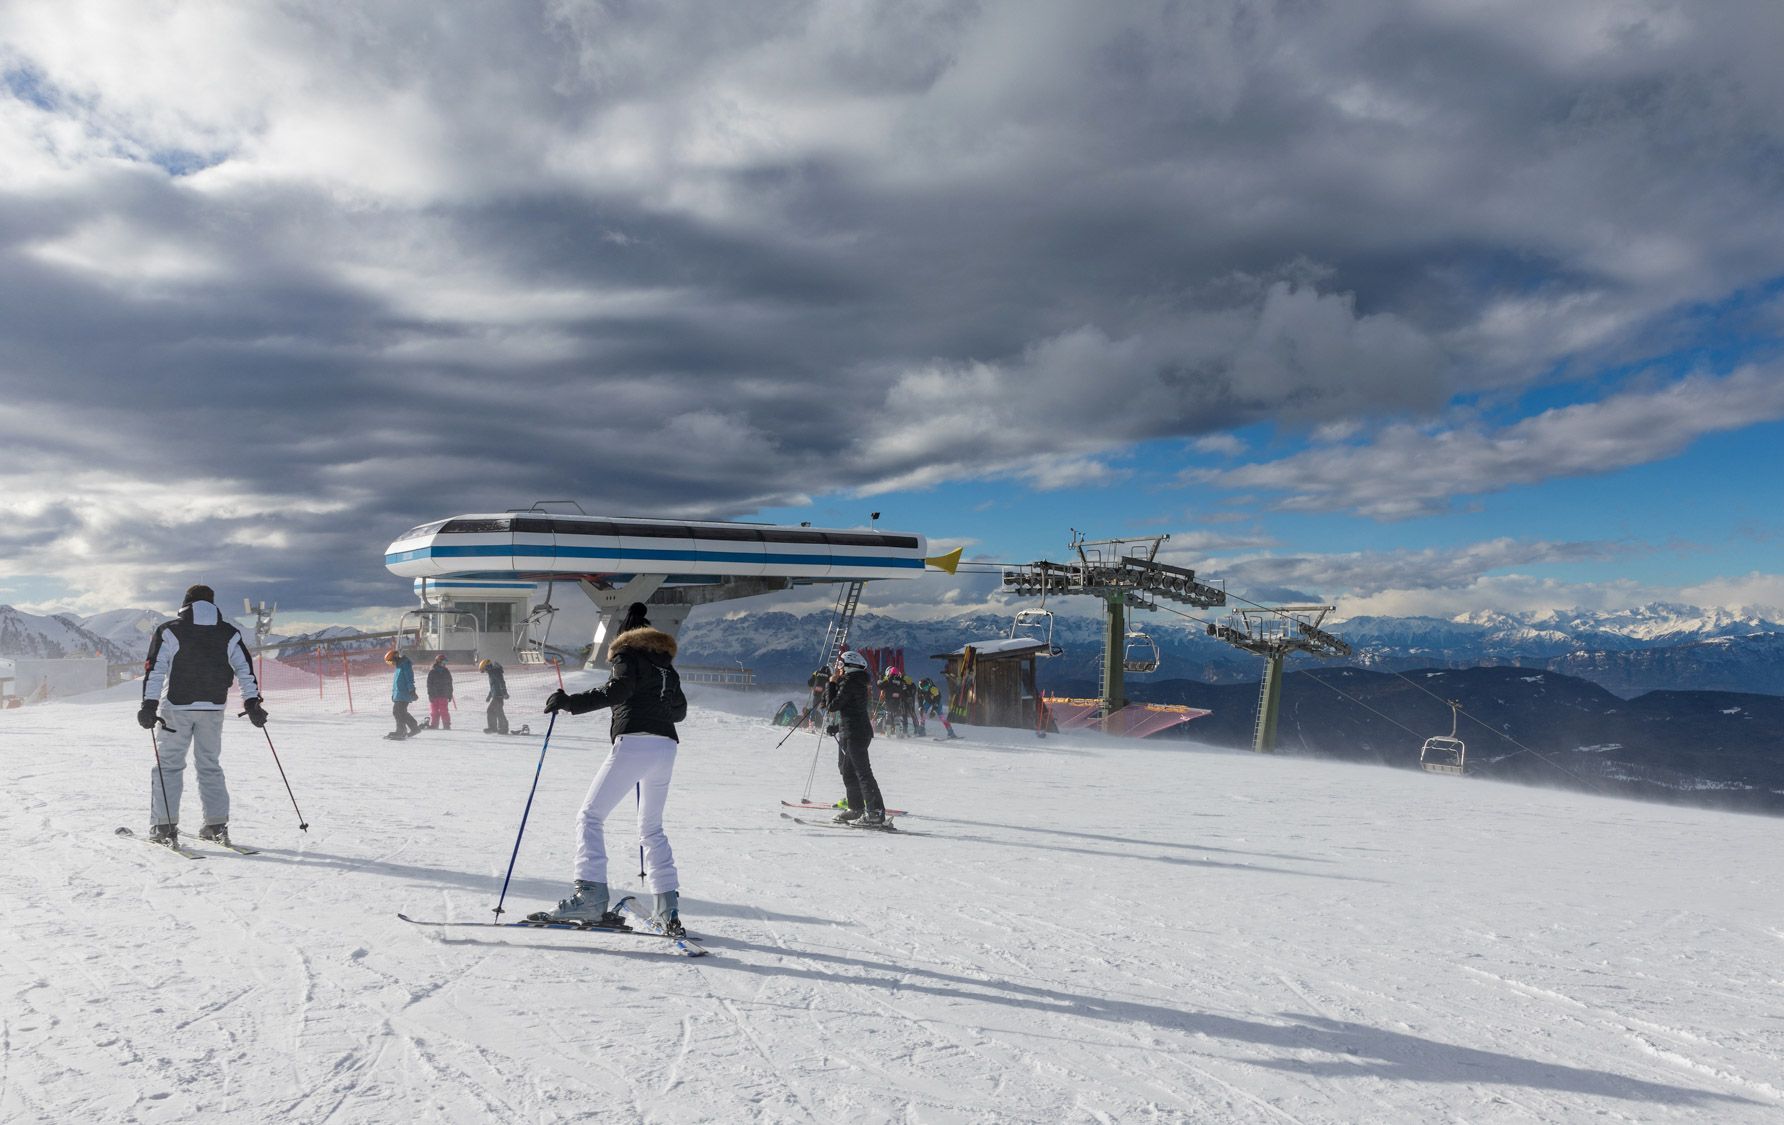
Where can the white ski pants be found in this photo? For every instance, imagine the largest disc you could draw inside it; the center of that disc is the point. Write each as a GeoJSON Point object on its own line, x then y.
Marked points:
{"type": "Point", "coordinates": [203, 731]}
{"type": "Point", "coordinates": [641, 764]}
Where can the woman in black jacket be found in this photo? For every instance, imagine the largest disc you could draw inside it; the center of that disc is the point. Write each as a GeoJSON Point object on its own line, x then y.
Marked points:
{"type": "Point", "coordinates": [644, 693]}
{"type": "Point", "coordinates": [849, 699]}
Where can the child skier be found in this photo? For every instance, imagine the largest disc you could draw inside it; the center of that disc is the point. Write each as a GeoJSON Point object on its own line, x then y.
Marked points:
{"type": "Point", "coordinates": [495, 719]}
{"type": "Point", "coordinates": [402, 693]}
{"type": "Point", "coordinates": [439, 695]}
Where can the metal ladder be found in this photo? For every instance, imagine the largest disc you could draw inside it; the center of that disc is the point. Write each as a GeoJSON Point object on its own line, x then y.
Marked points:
{"type": "Point", "coordinates": [838, 637]}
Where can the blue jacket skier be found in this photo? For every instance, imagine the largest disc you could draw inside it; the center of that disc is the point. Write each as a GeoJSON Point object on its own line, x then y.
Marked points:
{"type": "Point", "coordinates": [402, 693]}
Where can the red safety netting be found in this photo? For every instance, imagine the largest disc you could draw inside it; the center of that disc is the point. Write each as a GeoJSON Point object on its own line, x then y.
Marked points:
{"type": "Point", "coordinates": [357, 682]}
{"type": "Point", "coordinates": [1136, 720]}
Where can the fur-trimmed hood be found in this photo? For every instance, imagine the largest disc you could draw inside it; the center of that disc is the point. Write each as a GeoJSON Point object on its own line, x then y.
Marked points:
{"type": "Point", "coordinates": [649, 640]}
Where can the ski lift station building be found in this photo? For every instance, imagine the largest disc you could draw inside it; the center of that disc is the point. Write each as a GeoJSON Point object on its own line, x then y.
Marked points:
{"type": "Point", "coordinates": [486, 580]}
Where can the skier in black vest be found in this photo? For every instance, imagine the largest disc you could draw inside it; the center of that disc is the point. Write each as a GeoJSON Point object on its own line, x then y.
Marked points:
{"type": "Point", "coordinates": [849, 699]}
{"type": "Point", "coordinates": [192, 660]}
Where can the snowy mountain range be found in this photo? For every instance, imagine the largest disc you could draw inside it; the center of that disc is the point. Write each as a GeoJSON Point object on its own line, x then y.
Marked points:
{"type": "Point", "coordinates": [56, 637]}
{"type": "Point", "coordinates": [1660, 646]}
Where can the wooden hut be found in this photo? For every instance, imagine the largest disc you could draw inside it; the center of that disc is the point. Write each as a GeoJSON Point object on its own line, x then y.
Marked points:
{"type": "Point", "coordinates": [995, 685]}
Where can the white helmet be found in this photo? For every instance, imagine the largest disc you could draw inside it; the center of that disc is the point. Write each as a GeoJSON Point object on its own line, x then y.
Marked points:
{"type": "Point", "coordinates": [854, 659]}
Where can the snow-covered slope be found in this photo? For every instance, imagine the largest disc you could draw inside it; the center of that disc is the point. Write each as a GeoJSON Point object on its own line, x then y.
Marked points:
{"type": "Point", "coordinates": [1084, 930]}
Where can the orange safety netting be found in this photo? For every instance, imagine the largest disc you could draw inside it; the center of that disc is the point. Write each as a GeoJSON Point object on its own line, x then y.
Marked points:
{"type": "Point", "coordinates": [1136, 720]}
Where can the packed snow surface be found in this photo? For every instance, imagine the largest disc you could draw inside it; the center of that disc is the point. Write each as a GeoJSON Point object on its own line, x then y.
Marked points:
{"type": "Point", "coordinates": [1084, 930]}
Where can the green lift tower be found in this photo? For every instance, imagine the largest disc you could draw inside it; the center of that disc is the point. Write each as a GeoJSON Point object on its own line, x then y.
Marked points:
{"type": "Point", "coordinates": [1273, 632]}
{"type": "Point", "coordinates": [1124, 573]}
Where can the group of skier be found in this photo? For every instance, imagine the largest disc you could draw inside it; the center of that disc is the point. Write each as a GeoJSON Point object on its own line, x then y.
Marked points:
{"type": "Point", "coordinates": [897, 705]}
{"type": "Point", "coordinates": [440, 696]}
{"type": "Point", "coordinates": [194, 658]}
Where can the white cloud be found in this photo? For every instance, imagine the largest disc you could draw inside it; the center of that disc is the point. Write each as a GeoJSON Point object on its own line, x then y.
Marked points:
{"type": "Point", "coordinates": [1410, 471]}
{"type": "Point", "coordinates": [712, 257]}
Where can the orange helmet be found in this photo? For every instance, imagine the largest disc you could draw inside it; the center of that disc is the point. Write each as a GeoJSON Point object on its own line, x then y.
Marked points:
{"type": "Point", "coordinates": [390, 657]}
{"type": "Point", "coordinates": [483, 665]}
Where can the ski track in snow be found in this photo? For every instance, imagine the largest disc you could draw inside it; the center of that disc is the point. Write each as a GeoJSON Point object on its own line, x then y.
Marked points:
{"type": "Point", "coordinates": [1090, 930]}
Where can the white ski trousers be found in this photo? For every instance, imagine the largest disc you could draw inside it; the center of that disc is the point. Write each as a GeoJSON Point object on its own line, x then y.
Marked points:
{"type": "Point", "coordinates": [202, 730]}
{"type": "Point", "coordinates": [641, 764]}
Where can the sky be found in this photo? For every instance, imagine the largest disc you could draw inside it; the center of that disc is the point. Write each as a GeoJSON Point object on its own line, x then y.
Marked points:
{"type": "Point", "coordinates": [1432, 306]}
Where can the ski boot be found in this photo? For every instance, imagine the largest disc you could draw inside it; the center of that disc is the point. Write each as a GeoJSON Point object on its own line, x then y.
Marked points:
{"type": "Point", "coordinates": [216, 832]}
{"type": "Point", "coordinates": [668, 915]}
{"type": "Point", "coordinates": [847, 816]}
{"type": "Point", "coordinates": [165, 834]}
{"type": "Point", "coordinates": [873, 818]}
{"type": "Point", "coordinates": [586, 906]}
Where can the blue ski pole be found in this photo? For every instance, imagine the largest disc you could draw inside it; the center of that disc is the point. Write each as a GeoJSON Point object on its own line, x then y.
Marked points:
{"type": "Point", "coordinates": [537, 770]}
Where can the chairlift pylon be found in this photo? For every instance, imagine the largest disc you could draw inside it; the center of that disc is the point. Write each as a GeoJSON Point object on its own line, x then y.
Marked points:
{"type": "Point", "coordinates": [1446, 753]}
{"type": "Point", "coordinates": [1139, 652]}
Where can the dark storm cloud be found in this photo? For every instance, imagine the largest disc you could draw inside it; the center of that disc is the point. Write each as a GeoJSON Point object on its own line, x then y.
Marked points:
{"type": "Point", "coordinates": [285, 283]}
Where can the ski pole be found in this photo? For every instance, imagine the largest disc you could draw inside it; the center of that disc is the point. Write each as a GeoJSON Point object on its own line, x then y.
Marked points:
{"type": "Point", "coordinates": [811, 774]}
{"type": "Point", "coordinates": [302, 824]}
{"type": "Point", "coordinates": [166, 805]}
{"type": "Point", "coordinates": [797, 723]}
{"type": "Point", "coordinates": [524, 814]}
{"type": "Point", "coordinates": [640, 794]}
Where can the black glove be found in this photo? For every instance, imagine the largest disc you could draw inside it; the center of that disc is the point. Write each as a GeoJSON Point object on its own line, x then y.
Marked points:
{"type": "Point", "coordinates": [832, 729]}
{"type": "Point", "coordinates": [147, 717]}
{"type": "Point", "coordinates": [256, 711]}
{"type": "Point", "coordinates": [558, 700]}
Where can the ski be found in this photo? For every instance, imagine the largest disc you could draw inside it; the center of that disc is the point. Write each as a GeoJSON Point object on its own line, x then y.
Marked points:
{"type": "Point", "coordinates": [853, 826]}
{"type": "Point", "coordinates": [652, 926]}
{"type": "Point", "coordinates": [815, 807]}
{"type": "Point", "coordinates": [238, 849]}
{"type": "Point", "coordinates": [176, 849]}
{"type": "Point", "coordinates": [686, 947]}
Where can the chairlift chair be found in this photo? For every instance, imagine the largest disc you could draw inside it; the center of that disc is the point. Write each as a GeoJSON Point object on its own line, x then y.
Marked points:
{"type": "Point", "coordinates": [431, 617]}
{"type": "Point", "coordinates": [1446, 753]}
{"type": "Point", "coordinates": [1035, 625]}
{"type": "Point", "coordinates": [1139, 653]}
{"type": "Point", "coordinates": [528, 648]}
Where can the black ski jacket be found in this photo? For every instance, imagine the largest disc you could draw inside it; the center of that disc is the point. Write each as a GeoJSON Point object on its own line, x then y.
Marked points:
{"type": "Point", "coordinates": [194, 657]}
{"type": "Point", "coordinates": [439, 682]}
{"type": "Point", "coordinates": [850, 702]}
{"type": "Point", "coordinates": [643, 663]}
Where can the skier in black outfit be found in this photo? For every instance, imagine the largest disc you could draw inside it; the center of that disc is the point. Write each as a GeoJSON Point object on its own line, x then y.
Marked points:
{"type": "Point", "coordinates": [849, 701]}
{"type": "Point", "coordinates": [439, 695]}
{"type": "Point", "coordinates": [496, 721]}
